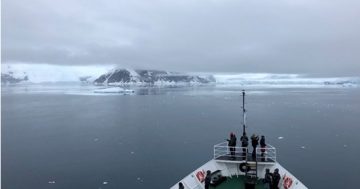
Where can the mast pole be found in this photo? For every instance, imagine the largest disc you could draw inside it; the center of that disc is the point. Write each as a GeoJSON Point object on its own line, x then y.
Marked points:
{"type": "Point", "coordinates": [244, 116]}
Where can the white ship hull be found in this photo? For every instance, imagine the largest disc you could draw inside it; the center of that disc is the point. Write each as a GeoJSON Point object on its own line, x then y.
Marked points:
{"type": "Point", "coordinates": [231, 169]}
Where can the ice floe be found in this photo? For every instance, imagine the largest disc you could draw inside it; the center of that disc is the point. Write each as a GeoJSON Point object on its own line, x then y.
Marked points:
{"type": "Point", "coordinates": [114, 90]}
{"type": "Point", "coordinates": [139, 179]}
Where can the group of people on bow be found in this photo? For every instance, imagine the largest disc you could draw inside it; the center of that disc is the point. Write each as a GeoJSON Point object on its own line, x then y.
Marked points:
{"type": "Point", "coordinates": [244, 144]}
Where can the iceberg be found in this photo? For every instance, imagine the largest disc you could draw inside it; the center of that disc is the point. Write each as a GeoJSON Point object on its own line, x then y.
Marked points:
{"type": "Point", "coordinates": [114, 90]}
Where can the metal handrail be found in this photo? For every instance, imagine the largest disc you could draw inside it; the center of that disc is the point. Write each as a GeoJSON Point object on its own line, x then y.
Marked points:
{"type": "Point", "coordinates": [223, 150]}
{"type": "Point", "coordinates": [268, 152]}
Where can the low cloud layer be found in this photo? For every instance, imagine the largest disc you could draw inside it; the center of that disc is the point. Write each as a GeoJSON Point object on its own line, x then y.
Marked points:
{"type": "Point", "coordinates": [284, 36]}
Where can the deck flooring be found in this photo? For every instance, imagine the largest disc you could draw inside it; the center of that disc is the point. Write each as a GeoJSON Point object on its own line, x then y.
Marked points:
{"type": "Point", "coordinates": [240, 159]}
{"type": "Point", "coordinates": [236, 183]}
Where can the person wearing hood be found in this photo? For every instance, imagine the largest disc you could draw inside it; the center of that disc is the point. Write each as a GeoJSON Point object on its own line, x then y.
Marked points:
{"type": "Point", "coordinates": [232, 144]}
{"type": "Point", "coordinates": [181, 185]}
{"type": "Point", "coordinates": [276, 179]}
{"type": "Point", "coordinates": [254, 143]}
{"type": "Point", "coordinates": [268, 179]}
{"type": "Point", "coordinates": [244, 144]}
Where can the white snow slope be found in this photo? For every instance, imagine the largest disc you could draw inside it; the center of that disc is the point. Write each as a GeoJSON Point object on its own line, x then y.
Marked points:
{"type": "Point", "coordinates": [284, 80]}
{"type": "Point", "coordinates": [40, 73]}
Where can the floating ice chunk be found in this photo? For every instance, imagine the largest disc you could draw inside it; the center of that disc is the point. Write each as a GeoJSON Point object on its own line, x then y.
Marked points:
{"type": "Point", "coordinates": [303, 147]}
{"type": "Point", "coordinates": [132, 152]}
{"type": "Point", "coordinates": [114, 90]}
{"type": "Point", "coordinates": [139, 179]}
{"type": "Point", "coordinates": [51, 182]}
{"type": "Point", "coordinates": [105, 182]}
{"type": "Point", "coordinates": [96, 139]}
{"type": "Point", "coordinates": [280, 137]}
{"type": "Point", "coordinates": [345, 145]}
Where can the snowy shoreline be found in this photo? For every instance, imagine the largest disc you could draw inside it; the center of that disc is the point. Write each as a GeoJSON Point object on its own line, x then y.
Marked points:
{"type": "Point", "coordinates": [114, 90]}
{"type": "Point", "coordinates": [44, 73]}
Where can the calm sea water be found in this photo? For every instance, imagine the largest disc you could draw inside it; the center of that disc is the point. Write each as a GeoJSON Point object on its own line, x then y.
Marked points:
{"type": "Point", "coordinates": [52, 139]}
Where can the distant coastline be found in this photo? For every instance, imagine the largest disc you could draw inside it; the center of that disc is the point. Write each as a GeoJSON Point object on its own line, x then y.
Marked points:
{"type": "Point", "coordinates": [118, 76]}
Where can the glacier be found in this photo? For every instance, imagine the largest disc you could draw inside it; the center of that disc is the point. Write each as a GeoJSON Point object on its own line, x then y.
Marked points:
{"type": "Point", "coordinates": [284, 80]}
{"type": "Point", "coordinates": [110, 75]}
{"type": "Point", "coordinates": [47, 73]}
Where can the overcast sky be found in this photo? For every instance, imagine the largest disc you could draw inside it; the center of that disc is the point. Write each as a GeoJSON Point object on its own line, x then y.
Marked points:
{"type": "Point", "coordinates": [281, 36]}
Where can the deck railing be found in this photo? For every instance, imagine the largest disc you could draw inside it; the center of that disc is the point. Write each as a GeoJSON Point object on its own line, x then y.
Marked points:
{"type": "Point", "coordinates": [267, 153]}
{"type": "Point", "coordinates": [222, 151]}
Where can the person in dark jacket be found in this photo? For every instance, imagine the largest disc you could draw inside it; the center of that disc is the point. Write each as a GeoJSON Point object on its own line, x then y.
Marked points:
{"type": "Point", "coordinates": [262, 147]}
{"type": "Point", "coordinates": [181, 185]}
{"type": "Point", "coordinates": [244, 144]}
{"type": "Point", "coordinates": [232, 144]}
{"type": "Point", "coordinates": [207, 179]}
{"type": "Point", "coordinates": [254, 143]}
{"type": "Point", "coordinates": [268, 179]}
{"type": "Point", "coordinates": [276, 179]}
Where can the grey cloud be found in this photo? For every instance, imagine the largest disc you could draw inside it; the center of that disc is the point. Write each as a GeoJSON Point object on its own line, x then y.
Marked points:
{"type": "Point", "coordinates": [285, 36]}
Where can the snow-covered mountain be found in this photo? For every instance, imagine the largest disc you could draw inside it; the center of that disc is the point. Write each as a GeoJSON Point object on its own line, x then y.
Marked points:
{"type": "Point", "coordinates": [120, 76]}
{"type": "Point", "coordinates": [100, 75]}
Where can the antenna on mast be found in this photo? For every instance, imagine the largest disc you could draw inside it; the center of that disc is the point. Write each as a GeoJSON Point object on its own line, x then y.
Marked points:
{"type": "Point", "coordinates": [244, 111]}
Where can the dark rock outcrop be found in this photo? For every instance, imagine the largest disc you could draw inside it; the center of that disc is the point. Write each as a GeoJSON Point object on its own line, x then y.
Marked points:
{"type": "Point", "coordinates": [8, 78]}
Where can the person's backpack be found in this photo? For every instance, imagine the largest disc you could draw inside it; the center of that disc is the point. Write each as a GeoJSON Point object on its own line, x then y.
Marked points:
{"type": "Point", "coordinates": [244, 142]}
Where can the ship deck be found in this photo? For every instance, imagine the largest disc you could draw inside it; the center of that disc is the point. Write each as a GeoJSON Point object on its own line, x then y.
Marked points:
{"type": "Point", "coordinates": [236, 182]}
